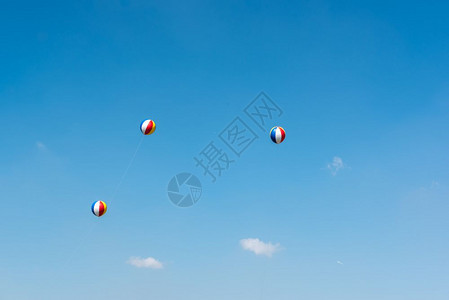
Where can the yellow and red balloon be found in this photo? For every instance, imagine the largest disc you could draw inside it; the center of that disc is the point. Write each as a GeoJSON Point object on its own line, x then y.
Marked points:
{"type": "Point", "coordinates": [99, 208]}
{"type": "Point", "coordinates": [147, 127]}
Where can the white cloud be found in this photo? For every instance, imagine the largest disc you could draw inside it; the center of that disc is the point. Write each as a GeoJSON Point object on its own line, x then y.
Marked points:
{"type": "Point", "coordinates": [339, 262]}
{"type": "Point", "coordinates": [148, 262]}
{"type": "Point", "coordinates": [434, 184]}
{"type": "Point", "coordinates": [41, 146]}
{"type": "Point", "coordinates": [259, 247]}
{"type": "Point", "coordinates": [336, 165]}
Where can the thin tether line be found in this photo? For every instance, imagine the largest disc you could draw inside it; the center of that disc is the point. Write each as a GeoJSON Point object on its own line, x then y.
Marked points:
{"type": "Point", "coordinates": [88, 232]}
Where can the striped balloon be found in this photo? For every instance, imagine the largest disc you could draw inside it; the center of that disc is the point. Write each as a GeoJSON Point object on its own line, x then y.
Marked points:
{"type": "Point", "coordinates": [99, 208]}
{"type": "Point", "coordinates": [148, 127]}
{"type": "Point", "coordinates": [277, 134]}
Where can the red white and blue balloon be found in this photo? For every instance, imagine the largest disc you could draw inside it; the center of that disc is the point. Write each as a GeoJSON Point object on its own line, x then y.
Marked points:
{"type": "Point", "coordinates": [147, 127]}
{"type": "Point", "coordinates": [277, 134]}
{"type": "Point", "coordinates": [99, 208]}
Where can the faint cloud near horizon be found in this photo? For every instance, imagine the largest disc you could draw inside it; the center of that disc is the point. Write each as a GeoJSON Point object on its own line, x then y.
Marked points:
{"type": "Point", "coordinates": [434, 184]}
{"type": "Point", "coordinates": [336, 165]}
{"type": "Point", "coordinates": [149, 262]}
{"type": "Point", "coordinates": [41, 146]}
{"type": "Point", "coordinates": [258, 247]}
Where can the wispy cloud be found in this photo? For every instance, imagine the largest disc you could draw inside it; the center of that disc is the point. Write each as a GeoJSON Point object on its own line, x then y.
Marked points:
{"type": "Point", "coordinates": [41, 146]}
{"type": "Point", "coordinates": [259, 247]}
{"type": "Point", "coordinates": [339, 262]}
{"type": "Point", "coordinates": [434, 184]}
{"type": "Point", "coordinates": [336, 165]}
{"type": "Point", "coordinates": [148, 262]}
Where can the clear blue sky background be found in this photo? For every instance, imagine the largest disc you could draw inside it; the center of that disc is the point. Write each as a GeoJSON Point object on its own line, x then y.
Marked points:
{"type": "Point", "coordinates": [367, 82]}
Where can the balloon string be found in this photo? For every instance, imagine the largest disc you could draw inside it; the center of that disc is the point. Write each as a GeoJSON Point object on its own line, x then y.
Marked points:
{"type": "Point", "coordinates": [88, 233]}
{"type": "Point", "coordinates": [126, 171]}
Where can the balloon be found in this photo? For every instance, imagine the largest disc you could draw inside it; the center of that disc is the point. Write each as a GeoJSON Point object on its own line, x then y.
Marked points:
{"type": "Point", "coordinates": [277, 134]}
{"type": "Point", "coordinates": [148, 127]}
{"type": "Point", "coordinates": [99, 208]}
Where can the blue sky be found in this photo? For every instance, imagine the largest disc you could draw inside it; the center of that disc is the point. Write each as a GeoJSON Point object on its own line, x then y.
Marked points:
{"type": "Point", "coordinates": [364, 82]}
